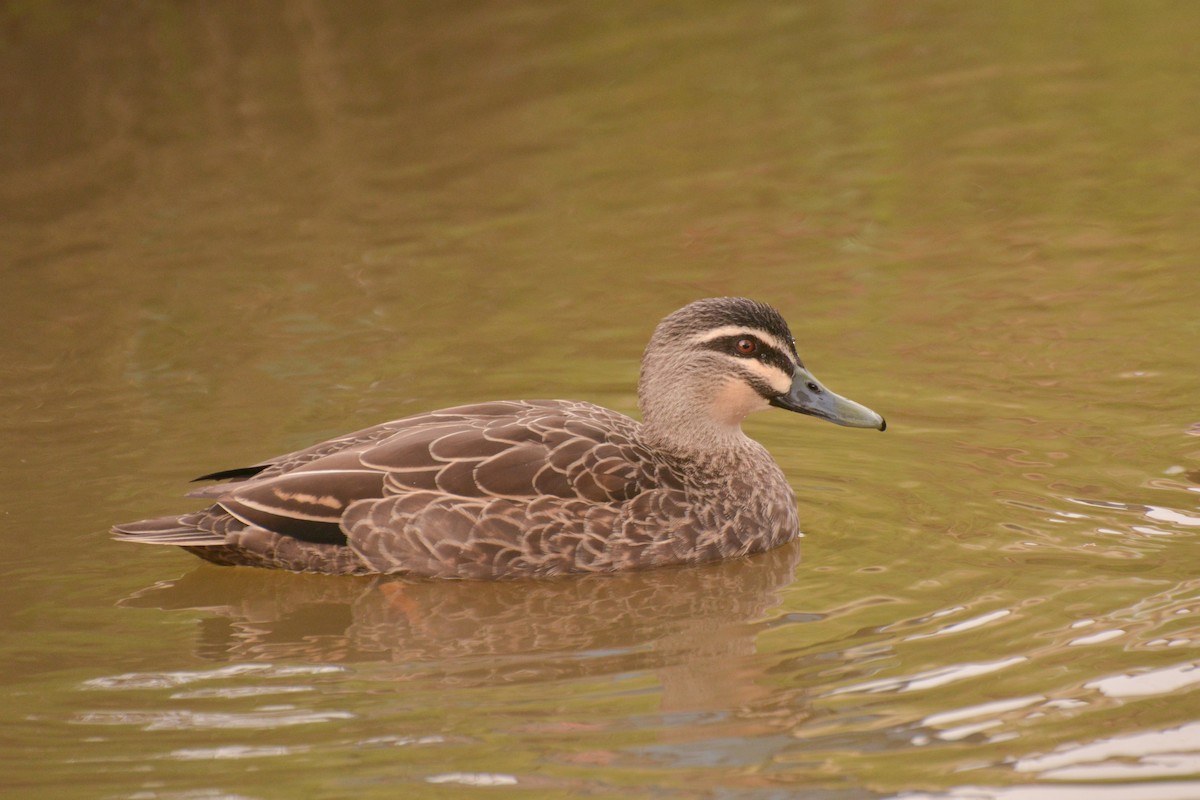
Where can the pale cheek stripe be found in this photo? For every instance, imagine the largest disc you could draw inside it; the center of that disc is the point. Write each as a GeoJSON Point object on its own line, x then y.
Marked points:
{"type": "Point", "coordinates": [779, 382]}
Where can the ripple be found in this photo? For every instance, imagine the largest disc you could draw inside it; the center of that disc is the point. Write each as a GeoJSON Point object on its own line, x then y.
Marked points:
{"type": "Point", "coordinates": [235, 692]}
{"type": "Point", "coordinates": [932, 678]}
{"type": "Point", "coordinates": [189, 794]}
{"type": "Point", "coordinates": [232, 752]}
{"type": "Point", "coordinates": [402, 741]}
{"type": "Point", "coordinates": [1188, 790]}
{"type": "Point", "coordinates": [1154, 754]}
{"type": "Point", "coordinates": [1152, 682]}
{"type": "Point", "coordinates": [1171, 516]}
{"type": "Point", "coordinates": [192, 720]}
{"type": "Point", "coordinates": [1096, 638]}
{"type": "Point", "coordinates": [167, 680]}
{"type": "Point", "coordinates": [965, 625]}
{"type": "Point", "coordinates": [982, 710]}
{"type": "Point", "coordinates": [474, 779]}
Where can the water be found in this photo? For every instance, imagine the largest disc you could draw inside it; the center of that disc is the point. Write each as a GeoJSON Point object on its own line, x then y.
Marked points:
{"type": "Point", "coordinates": [229, 231]}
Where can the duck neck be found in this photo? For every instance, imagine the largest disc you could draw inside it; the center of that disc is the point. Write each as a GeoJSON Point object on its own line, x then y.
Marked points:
{"type": "Point", "coordinates": [689, 414]}
{"type": "Point", "coordinates": [692, 436]}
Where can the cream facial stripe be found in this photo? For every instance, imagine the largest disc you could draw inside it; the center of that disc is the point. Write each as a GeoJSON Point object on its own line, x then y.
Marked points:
{"type": "Point", "coordinates": [769, 374]}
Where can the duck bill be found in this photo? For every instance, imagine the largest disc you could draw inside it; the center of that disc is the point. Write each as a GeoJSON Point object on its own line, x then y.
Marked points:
{"type": "Point", "coordinates": [808, 396]}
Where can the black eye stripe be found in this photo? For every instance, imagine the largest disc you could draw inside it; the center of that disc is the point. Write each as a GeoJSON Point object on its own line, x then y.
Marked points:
{"type": "Point", "coordinates": [764, 389]}
{"type": "Point", "coordinates": [767, 353]}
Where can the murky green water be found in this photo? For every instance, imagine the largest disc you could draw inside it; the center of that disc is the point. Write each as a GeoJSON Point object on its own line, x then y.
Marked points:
{"type": "Point", "coordinates": [227, 231]}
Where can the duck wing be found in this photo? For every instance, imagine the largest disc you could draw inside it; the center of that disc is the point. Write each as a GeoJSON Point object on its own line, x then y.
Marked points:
{"type": "Point", "coordinates": [516, 451]}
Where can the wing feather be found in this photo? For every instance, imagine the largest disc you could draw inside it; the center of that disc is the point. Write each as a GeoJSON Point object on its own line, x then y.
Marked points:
{"type": "Point", "coordinates": [513, 450]}
{"type": "Point", "coordinates": [306, 504]}
{"type": "Point", "coordinates": [446, 474]}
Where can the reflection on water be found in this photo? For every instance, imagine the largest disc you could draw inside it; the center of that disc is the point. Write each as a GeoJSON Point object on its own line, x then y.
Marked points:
{"type": "Point", "coordinates": [735, 681]}
{"type": "Point", "coordinates": [672, 619]}
{"type": "Point", "coordinates": [695, 630]}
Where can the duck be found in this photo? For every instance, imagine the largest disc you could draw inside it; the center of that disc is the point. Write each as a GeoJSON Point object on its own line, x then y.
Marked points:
{"type": "Point", "coordinates": [538, 488]}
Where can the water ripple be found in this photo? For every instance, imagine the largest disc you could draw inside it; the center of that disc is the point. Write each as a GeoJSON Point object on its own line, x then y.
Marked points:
{"type": "Point", "coordinates": [193, 720]}
{"type": "Point", "coordinates": [473, 779]}
{"type": "Point", "coordinates": [1158, 681]}
{"type": "Point", "coordinates": [1152, 754]}
{"type": "Point", "coordinates": [231, 752]}
{"type": "Point", "coordinates": [166, 680]}
{"type": "Point", "coordinates": [931, 678]}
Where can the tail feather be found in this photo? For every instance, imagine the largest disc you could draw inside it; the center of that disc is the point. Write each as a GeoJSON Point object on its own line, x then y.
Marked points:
{"type": "Point", "coordinates": [166, 530]}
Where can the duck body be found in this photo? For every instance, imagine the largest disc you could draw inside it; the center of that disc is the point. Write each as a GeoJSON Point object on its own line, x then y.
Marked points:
{"type": "Point", "coordinates": [512, 489]}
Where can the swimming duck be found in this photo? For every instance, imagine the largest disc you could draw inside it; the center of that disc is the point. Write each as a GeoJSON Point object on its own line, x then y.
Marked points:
{"type": "Point", "coordinates": [533, 488]}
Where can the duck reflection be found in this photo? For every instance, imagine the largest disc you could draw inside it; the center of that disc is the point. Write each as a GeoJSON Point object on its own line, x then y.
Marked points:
{"type": "Point", "coordinates": [515, 630]}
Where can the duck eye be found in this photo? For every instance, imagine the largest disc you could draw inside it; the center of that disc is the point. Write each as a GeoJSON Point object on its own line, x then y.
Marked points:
{"type": "Point", "coordinates": [746, 347]}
